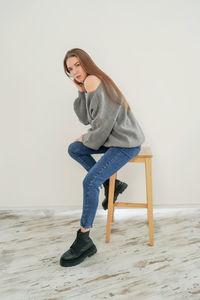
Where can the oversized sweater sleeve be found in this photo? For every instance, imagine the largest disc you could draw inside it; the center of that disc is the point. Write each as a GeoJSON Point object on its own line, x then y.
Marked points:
{"type": "Point", "coordinates": [104, 115]}
{"type": "Point", "coordinates": [80, 108]}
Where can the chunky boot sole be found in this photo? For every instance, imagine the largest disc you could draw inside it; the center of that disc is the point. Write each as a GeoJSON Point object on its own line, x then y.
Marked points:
{"type": "Point", "coordinates": [119, 190]}
{"type": "Point", "coordinates": [70, 263]}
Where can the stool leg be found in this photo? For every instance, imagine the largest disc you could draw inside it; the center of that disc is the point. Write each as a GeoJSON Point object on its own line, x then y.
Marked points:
{"type": "Point", "coordinates": [113, 213]}
{"type": "Point", "coordinates": [113, 204]}
{"type": "Point", "coordinates": [148, 172]}
{"type": "Point", "coordinates": [110, 206]}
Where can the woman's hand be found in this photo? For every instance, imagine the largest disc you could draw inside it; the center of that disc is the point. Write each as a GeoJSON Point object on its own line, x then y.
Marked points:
{"type": "Point", "coordinates": [79, 85]}
{"type": "Point", "coordinates": [79, 139]}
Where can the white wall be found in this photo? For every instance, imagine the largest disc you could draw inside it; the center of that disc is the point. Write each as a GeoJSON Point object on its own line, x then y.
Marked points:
{"type": "Point", "coordinates": [149, 48]}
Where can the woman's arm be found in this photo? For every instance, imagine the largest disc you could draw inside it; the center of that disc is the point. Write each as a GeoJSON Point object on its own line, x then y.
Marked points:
{"type": "Point", "coordinates": [80, 108]}
{"type": "Point", "coordinates": [104, 115]}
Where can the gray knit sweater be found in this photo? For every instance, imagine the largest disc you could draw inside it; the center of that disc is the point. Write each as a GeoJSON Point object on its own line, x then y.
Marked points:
{"type": "Point", "coordinates": [110, 124]}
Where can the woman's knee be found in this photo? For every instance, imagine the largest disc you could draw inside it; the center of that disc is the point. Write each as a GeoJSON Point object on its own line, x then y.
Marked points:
{"type": "Point", "coordinates": [73, 147]}
{"type": "Point", "coordinates": [90, 182]}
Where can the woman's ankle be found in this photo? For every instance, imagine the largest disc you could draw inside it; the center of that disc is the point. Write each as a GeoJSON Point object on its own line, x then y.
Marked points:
{"type": "Point", "coordinates": [84, 229]}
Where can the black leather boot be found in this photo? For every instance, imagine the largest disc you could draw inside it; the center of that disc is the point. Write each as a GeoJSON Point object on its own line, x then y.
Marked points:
{"type": "Point", "coordinates": [119, 188]}
{"type": "Point", "coordinates": [81, 248]}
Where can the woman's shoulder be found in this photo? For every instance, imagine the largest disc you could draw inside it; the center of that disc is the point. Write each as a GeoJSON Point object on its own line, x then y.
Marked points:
{"type": "Point", "coordinates": [91, 83]}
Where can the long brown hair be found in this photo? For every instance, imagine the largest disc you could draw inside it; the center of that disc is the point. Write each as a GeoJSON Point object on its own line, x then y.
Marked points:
{"type": "Point", "coordinates": [111, 89]}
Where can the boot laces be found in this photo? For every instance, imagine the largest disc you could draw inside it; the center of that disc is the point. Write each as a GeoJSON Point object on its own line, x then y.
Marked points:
{"type": "Point", "coordinates": [73, 246]}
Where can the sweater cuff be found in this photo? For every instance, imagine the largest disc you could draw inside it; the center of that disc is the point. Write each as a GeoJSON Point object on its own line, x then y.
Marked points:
{"type": "Point", "coordinates": [81, 94]}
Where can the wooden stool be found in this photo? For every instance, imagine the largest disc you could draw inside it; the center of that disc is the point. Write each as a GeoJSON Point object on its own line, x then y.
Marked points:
{"type": "Point", "coordinates": [144, 156]}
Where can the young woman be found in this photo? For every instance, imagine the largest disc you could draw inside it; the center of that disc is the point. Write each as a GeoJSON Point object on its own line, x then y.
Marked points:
{"type": "Point", "coordinates": [114, 131]}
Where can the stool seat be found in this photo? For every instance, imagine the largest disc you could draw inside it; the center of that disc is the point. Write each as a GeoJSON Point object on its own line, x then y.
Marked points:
{"type": "Point", "coordinates": [144, 156]}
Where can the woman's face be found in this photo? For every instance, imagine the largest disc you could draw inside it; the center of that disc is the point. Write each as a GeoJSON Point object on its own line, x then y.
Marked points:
{"type": "Point", "coordinates": [75, 69]}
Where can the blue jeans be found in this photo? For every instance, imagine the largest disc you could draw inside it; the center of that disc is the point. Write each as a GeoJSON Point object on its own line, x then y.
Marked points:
{"type": "Point", "coordinates": [98, 172]}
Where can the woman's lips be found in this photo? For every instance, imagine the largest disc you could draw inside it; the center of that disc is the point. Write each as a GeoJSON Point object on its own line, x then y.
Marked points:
{"type": "Point", "coordinates": [78, 77]}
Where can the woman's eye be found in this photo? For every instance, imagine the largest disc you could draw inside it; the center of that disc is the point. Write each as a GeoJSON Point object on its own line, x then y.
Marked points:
{"type": "Point", "coordinates": [76, 66]}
